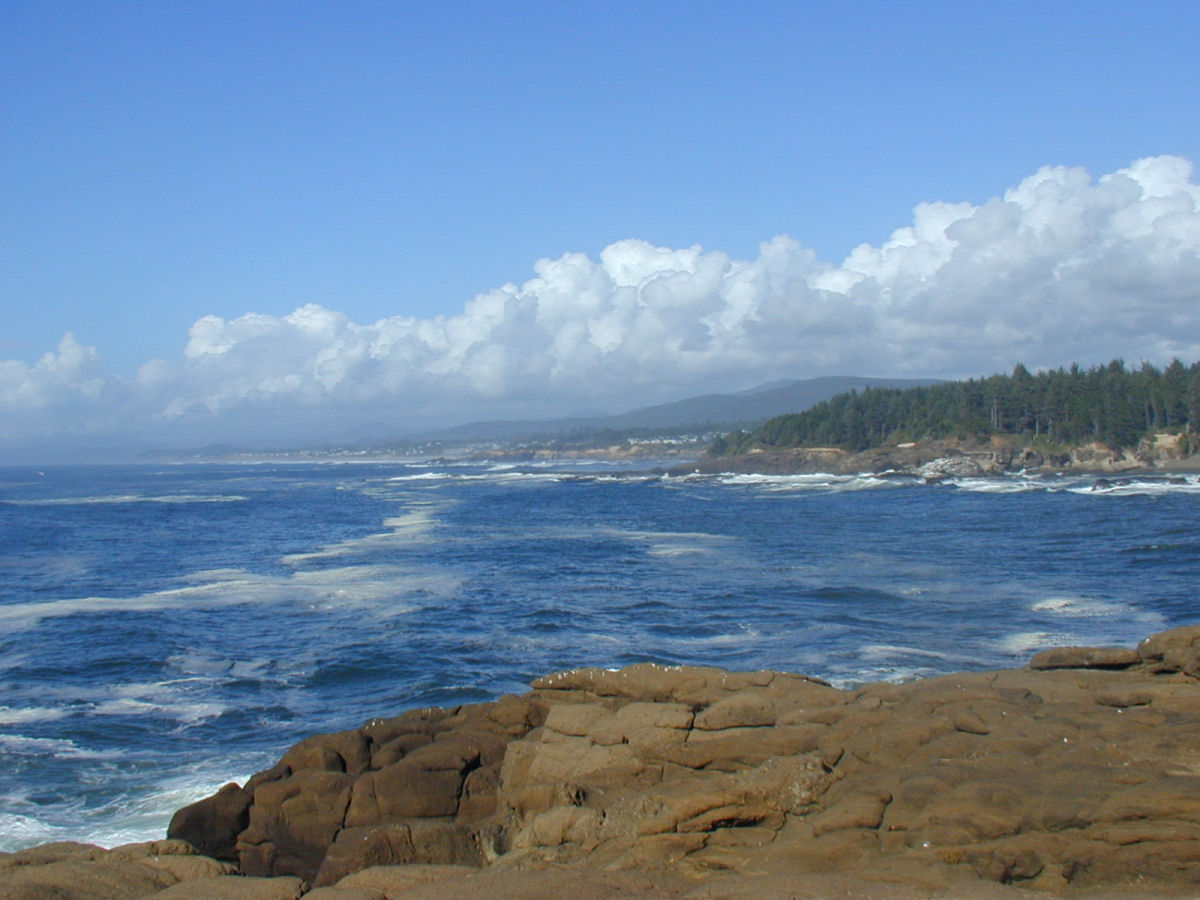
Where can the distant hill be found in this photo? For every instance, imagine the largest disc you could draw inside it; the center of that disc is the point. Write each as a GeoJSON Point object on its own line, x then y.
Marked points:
{"type": "Point", "coordinates": [713, 411]}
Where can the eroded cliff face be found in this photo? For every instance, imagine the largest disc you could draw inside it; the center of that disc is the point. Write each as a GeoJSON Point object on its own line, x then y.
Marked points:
{"type": "Point", "coordinates": [1081, 770]}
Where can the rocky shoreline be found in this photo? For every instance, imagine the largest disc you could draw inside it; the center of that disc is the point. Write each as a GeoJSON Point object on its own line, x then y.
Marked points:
{"type": "Point", "coordinates": [1078, 775]}
{"type": "Point", "coordinates": [941, 459]}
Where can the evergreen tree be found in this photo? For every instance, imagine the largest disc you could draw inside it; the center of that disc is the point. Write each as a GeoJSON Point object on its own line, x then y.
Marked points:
{"type": "Point", "coordinates": [1105, 403]}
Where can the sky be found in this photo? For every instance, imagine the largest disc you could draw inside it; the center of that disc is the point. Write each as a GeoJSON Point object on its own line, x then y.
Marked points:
{"type": "Point", "coordinates": [275, 222]}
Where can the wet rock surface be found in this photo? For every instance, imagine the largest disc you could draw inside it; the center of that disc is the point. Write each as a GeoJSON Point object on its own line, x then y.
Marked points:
{"type": "Point", "coordinates": [1077, 775]}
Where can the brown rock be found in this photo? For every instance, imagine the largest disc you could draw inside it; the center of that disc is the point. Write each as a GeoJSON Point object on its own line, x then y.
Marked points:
{"type": "Point", "coordinates": [345, 751]}
{"type": "Point", "coordinates": [385, 845]}
{"type": "Point", "coordinates": [232, 887]}
{"type": "Point", "coordinates": [864, 809]}
{"type": "Point", "coordinates": [212, 825]}
{"type": "Point", "coordinates": [1085, 658]}
{"type": "Point", "coordinates": [403, 790]}
{"type": "Point", "coordinates": [1177, 650]}
{"type": "Point", "coordinates": [69, 871]}
{"type": "Point", "coordinates": [82, 879]}
{"type": "Point", "coordinates": [746, 709]}
{"type": "Point", "coordinates": [292, 823]}
{"type": "Point", "coordinates": [1082, 769]}
{"type": "Point", "coordinates": [337, 892]}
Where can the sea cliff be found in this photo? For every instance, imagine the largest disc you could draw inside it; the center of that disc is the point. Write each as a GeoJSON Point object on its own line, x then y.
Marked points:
{"type": "Point", "coordinates": [1078, 775]}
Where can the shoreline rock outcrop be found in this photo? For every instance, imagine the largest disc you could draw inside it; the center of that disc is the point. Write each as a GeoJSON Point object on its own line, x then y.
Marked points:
{"type": "Point", "coordinates": [1076, 775]}
{"type": "Point", "coordinates": [935, 459]}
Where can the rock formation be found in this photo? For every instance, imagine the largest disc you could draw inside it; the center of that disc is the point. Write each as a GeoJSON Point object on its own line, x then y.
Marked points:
{"type": "Point", "coordinates": [936, 459]}
{"type": "Point", "coordinates": [1077, 774]}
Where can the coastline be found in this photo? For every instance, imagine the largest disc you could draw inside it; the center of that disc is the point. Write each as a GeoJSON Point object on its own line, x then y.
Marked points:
{"type": "Point", "coordinates": [940, 459]}
{"type": "Point", "coordinates": [1077, 775]}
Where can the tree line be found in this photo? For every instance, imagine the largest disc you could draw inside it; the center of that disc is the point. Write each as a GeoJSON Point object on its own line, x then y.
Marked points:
{"type": "Point", "coordinates": [1112, 404]}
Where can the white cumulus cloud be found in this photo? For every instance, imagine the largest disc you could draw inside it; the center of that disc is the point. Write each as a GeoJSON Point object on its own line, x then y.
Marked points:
{"type": "Point", "coordinates": [1060, 268]}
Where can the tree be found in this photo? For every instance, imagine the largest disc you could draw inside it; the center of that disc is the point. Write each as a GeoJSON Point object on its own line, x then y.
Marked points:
{"type": "Point", "coordinates": [1109, 403]}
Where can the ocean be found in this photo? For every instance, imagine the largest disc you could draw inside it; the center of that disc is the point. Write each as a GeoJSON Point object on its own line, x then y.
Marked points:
{"type": "Point", "coordinates": [165, 629]}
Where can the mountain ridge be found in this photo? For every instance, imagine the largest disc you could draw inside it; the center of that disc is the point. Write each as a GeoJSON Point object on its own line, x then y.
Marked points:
{"type": "Point", "coordinates": [718, 410]}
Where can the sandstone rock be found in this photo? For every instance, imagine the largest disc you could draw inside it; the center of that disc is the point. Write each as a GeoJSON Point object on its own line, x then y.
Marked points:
{"type": "Point", "coordinates": [1177, 650]}
{"type": "Point", "coordinates": [399, 842]}
{"type": "Point", "coordinates": [691, 685]}
{"type": "Point", "coordinates": [189, 868]}
{"type": "Point", "coordinates": [69, 871]}
{"type": "Point", "coordinates": [1080, 769]}
{"type": "Point", "coordinates": [42, 854]}
{"type": "Point", "coordinates": [1085, 658]}
{"type": "Point", "coordinates": [293, 821]}
{"type": "Point", "coordinates": [403, 790]}
{"type": "Point", "coordinates": [427, 764]}
{"type": "Point", "coordinates": [337, 892]}
{"type": "Point", "coordinates": [345, 751]}
{"type": "Point", "coordinates": [746, 709]}
{"type": "Point", "coordinates": [395, 881]}
{"type": "Point", "coordinates": [83, 879]}
{"type": "Point", "coordinates": [232, 887]}
{"type": "Point", "coordinates": [213, 824]}
{"type": "Point", "coordinates": [863, 809]}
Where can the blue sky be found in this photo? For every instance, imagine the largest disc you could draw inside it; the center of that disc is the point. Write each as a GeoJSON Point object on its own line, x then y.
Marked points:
{"type": "Point", "coordinates": [386, 163]}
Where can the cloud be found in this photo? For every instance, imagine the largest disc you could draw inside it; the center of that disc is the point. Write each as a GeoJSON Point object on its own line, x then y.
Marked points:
{"type": "Point", "coordinates": [66, 386]}
{"type": "Point", "coordinates": [1060, 268]}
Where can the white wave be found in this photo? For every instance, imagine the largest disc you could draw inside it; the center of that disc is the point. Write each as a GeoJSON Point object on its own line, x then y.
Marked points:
{"type": "Point", "coordinates": [414, 525]}
{"type": "Point", "coordinates": [186, 713]}
{"type": "Point", "coordinates": [376, 587]}
{"type": "Point", "coordinates": [198, 666]}
{"type": "Point", "coordinates": [141, 814]}
{"type": "Point", "coordinates": [670, 550]}
{"type": "Point", "coordinates": [18, 832]}
{"type": "Point", "coordinates": [1021, 643]}
{"type": "Point", "coordinates": [10, 716]}
{"type": "Point", "coordinates": [58, 747]}
{"type": "Point", "coordinates": [532, 473]}
{"type": "Point", "coordinates": [997, 485]}
{"type": "Point", "coordinates": [24, 615]}
{"type": "Point", "coordinates": [621, 478]}
{"type": "Point", "coordinates": [418, 521]}
{"type": "Point", "coordinates": [639, 535]}
{"type": "Point", "coordinates": [819, 481]}
{"type": "Point", "coordinates": [515, 477]}
{"type": "Point", "coordinates": [743, 635]}
{"type": "Point", "coordinates": [1082, 606]}
{"type": "Point", "coordinates": [596, 637]}
{"type": "Point", "coordinates": [880, 652]}
{"type": "Point", "coordinates": [894, 673]}
{"type": "Point", "coordinates": [667, 544]}
{"type": "Point", "coordinates": [1119, 486]}
{"type": "Point", "coordinates": [13, 660]}
{"type": "Point", "coordinates": [120, 499]}
{"type": "Point", "coordinates": [182, 700]}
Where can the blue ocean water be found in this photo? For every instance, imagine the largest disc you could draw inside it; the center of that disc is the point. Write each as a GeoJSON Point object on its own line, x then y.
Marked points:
{"type": "Point", "coordinates": [166, 629]}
